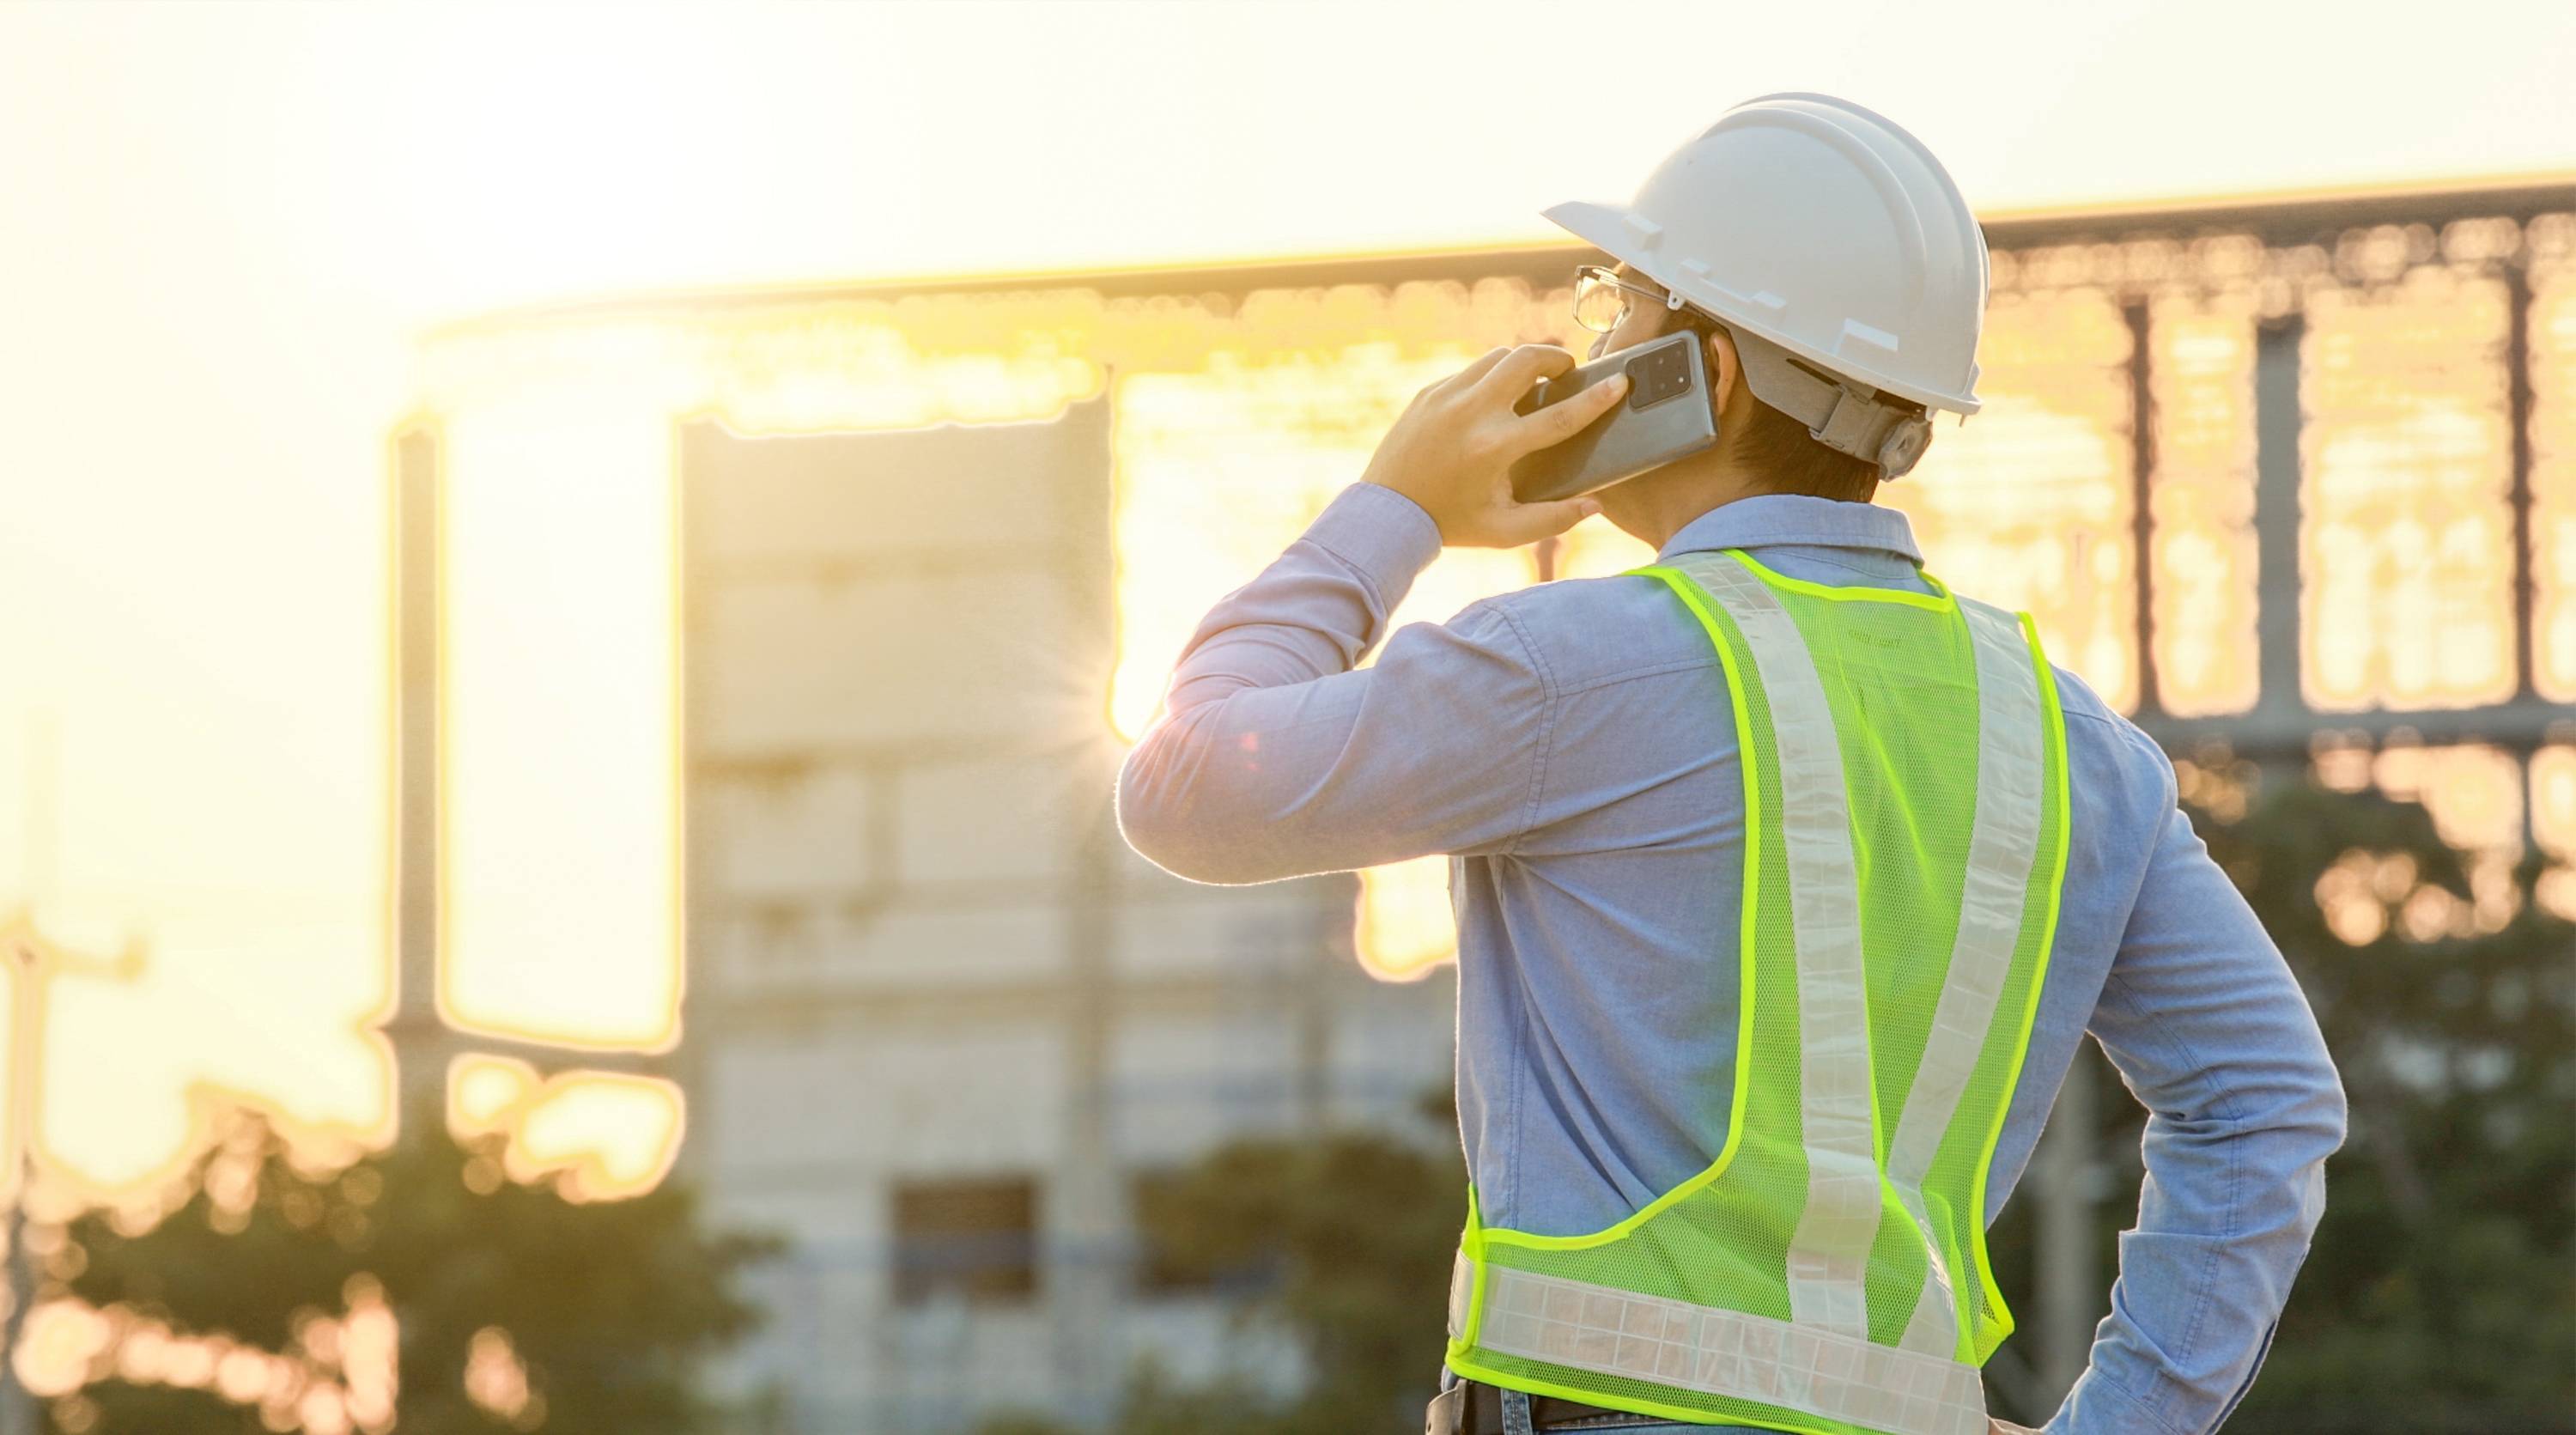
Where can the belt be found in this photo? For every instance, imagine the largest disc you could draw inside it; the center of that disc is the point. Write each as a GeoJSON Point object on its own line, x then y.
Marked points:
{"type": "Point", "coordinates": [1471, 1408]}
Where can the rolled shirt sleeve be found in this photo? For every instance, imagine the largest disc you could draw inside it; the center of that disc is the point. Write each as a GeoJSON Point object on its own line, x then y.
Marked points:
{"type": "Point", "coordinates": [1279, 757]}
{"type": "Point", "coordinates": [2211, 1033]}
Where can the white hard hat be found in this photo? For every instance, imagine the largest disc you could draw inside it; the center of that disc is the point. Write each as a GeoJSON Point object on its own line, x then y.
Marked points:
{"type": "Point", "coordinates": [1822, 228]}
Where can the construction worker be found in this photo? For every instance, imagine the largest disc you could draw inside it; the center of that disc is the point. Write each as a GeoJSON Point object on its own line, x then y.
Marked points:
{"type": "Point", "coordinates": [1786, 878]}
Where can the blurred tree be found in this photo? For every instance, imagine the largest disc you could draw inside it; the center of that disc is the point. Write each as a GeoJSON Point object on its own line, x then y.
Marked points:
{"type": "Point", "coordinates": [1363, 1228]}
{"type": "Point", "coordinates": [573, 1318]}
{"type": "Point", "coordinates": [2440, 1294]}
{"type": "Point", "coordinates": [1358, 1229]}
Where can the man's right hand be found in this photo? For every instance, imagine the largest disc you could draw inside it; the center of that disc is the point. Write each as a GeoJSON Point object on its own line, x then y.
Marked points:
{"type": "Point", "coordinates": [1452, 449]}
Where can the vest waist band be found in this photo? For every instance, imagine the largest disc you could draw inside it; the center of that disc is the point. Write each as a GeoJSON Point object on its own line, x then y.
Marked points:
{"type": "Point", "coordinates": [1725, 1352]}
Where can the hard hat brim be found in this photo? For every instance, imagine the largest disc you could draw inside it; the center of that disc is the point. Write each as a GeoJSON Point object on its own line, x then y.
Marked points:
{"type": "Point", "coordinates": [1618, 231]}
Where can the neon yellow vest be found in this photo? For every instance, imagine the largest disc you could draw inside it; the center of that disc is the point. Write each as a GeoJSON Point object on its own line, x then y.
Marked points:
{"type": "Point", "coordinates": [1905, 824]}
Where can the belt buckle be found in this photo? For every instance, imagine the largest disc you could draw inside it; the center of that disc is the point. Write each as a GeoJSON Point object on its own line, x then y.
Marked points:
{"type": "Point", "coordinates": [1447, 1413]}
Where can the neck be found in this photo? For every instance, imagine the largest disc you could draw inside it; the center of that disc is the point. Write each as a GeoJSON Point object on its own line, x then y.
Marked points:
{"type": "Point", "coordinates": [1657, 506]}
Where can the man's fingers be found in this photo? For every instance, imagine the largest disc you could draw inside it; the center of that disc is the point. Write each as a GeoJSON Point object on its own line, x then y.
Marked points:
{"type": "Point", "coordinates": [1512, 375]}
{"type": "Point", "coordinates": [1467, 377]}
{"type": "Point", "coordinates": [1561, 421]}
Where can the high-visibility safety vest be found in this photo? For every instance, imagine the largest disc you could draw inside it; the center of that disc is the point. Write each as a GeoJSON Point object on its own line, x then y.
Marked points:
{"type": "Point", "coordinates": [1905, 824]}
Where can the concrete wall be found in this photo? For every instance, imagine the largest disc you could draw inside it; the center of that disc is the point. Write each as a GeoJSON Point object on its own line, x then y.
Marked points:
{"type": "Point", "coordinates": [918, 950]}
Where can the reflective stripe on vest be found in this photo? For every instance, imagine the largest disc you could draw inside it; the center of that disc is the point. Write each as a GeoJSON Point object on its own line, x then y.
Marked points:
{"type": "Point", "coordinates": [2001, 848]}
{"type": "Point", "coordinates": [1727, 1352]}
{"type": "Point", "coordinates": [1821, 1361]}
{"type": "Point", "coordinates": [1830, 1251]}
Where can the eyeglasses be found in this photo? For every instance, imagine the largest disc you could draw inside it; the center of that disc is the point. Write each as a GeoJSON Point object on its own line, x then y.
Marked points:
{"type": "Point", "coordinates": [1601, 298]}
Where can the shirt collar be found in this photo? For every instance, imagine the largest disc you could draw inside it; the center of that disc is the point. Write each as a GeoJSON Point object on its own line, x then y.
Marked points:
{"type": "Point", "coordinates": [1796, 519]}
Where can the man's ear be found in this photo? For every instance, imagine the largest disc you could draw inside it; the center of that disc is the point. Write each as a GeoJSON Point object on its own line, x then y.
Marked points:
{"type": "Point", "coordinates": [1725, 373]}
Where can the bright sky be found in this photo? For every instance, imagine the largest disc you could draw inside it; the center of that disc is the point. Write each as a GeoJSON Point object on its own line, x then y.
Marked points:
{"type": "Point", "coordinates": [222, 227]}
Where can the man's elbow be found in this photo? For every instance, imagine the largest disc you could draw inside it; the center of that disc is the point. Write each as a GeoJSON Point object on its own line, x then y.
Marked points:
{"type": "Point", "coordinates": [2287, 1085]}
{"type": "Point", "coordinates": [1152, 828]}
{"type": "Point", "coordinates": [2325, 1117]}
{"type": "Point", "coordinates": [1162, 816]}
{"type": "Point", "coordinates": [2337, 1108]}
{"type": "Point", "coordinates": [2323, 1113]}
{"type": "Point", "coordinates": [2308, 1107]}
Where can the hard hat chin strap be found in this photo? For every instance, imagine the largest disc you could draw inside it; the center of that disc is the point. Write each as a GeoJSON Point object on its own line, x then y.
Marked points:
{"type": "Point", "coordinates": [1845, 415]}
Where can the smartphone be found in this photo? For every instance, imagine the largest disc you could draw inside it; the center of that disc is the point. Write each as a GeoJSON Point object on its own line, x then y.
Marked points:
{"type": "Point", "coordinates": [1666, 415]}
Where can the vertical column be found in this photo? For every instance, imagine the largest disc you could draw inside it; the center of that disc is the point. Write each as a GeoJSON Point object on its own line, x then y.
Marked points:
{"type": "Point", "coordinates": [692, 447]}
{"type": "Point", "coordinates": [2276, 522]}
{"type": "Point", "coordinates": [2142, 470]}
{"type": "Point", "coordinates": [1313, 966]}
{"type": "Point", "coordinates": [2526, 582]}
{"type": "Point", "coordinates": [418, 1037]}
{"type": "Point", "coordinates": [1092, 1226]}
{"type": "Point", "coordinates": [2518, 400]}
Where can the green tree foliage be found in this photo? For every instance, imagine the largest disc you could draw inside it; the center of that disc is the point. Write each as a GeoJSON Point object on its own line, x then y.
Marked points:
{"type": "Point", "coordinates": [1363, 1228]}
{"type": "Point", "coordinates": [2440, 1294]}
{"type": "Point", "coordinates": [609, 1304]}
{"type": "Point", "coordinates": [1357, 1229]}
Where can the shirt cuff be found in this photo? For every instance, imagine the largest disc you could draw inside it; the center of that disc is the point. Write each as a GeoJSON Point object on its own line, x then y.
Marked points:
{"type": "Point", "coordinates": [2098, 1404]}
{"type": "Point", "coordinates": [1383, 535]}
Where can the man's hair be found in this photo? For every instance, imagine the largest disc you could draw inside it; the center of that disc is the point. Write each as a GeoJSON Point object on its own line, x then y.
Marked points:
{"type": "Point", "coordinates": [1787, 457]}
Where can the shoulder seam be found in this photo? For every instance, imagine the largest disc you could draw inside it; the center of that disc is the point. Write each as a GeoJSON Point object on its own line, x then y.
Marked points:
{"type": "Point", "coordinates": [1705, 659]}
{"type": "Point", "coordinates": [1651, 670]}
{"type": "Point", "coordinates": [1501, 606]}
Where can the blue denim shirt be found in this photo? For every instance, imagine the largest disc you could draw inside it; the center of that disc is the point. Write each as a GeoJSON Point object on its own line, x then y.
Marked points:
{"type": "Point", "coordinates": [1572, 747]}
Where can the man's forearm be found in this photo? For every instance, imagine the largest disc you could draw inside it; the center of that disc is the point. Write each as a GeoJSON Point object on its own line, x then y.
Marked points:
{"type": "Point", "coordinates": [1276, 758]}
{"type": "Point", "coordinates": [1279, 759]}
{"type": "Point", "coordinates": [1318, 607]}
